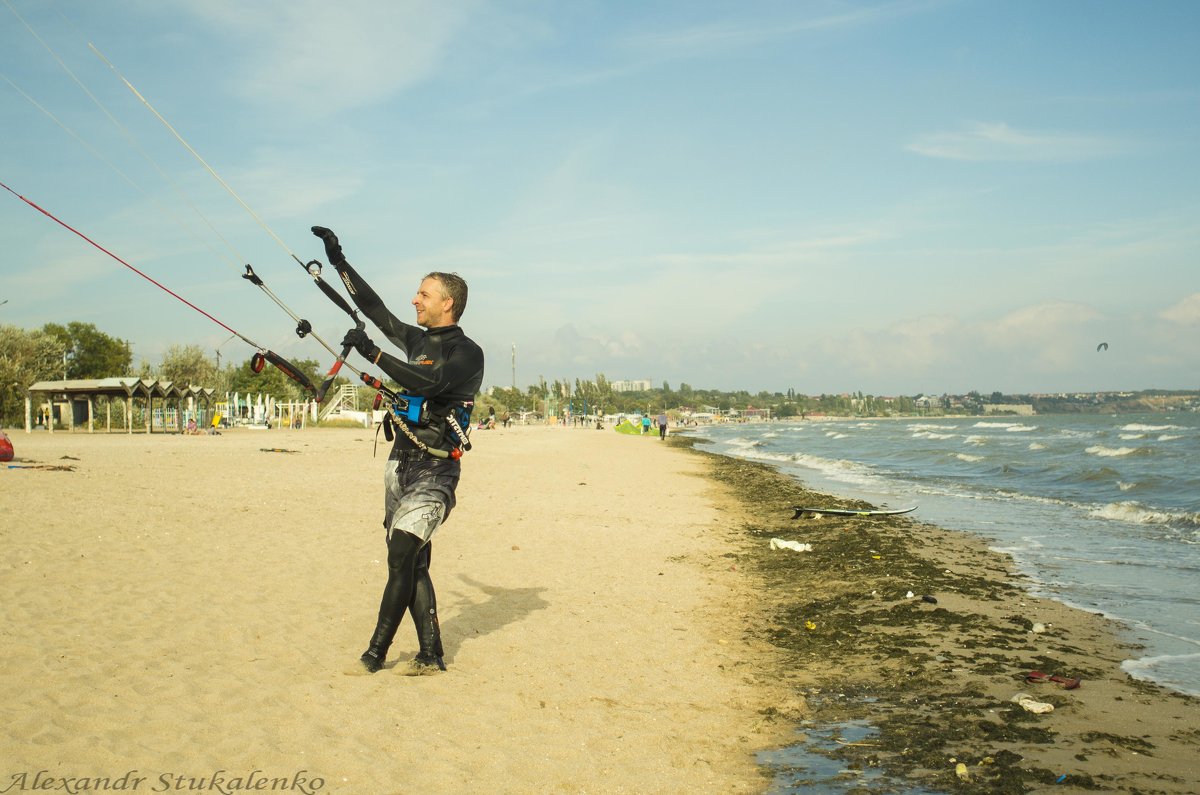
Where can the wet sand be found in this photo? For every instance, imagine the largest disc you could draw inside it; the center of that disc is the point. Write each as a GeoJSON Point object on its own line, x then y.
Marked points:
{"type": "Point", "coordinates": [935, 680]}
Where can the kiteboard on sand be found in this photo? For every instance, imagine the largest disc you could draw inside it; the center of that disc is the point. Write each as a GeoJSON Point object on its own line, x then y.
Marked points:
{"type": "Point", "coordinates": [800, 511]}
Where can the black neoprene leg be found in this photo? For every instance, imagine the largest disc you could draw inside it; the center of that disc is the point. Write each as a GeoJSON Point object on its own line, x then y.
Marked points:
{"type": "Point", "coordinates": [403, 551]}
{"type": "Point", "coordinates": [424, 611]}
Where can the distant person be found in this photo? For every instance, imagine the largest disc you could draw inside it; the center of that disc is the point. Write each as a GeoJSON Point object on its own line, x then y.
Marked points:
{"type": "Point", "coordinates": [645, 423]}
{"type": "Point", "coordinates": [662, 425]}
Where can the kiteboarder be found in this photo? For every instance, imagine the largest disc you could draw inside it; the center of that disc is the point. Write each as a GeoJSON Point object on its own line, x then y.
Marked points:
{"type": "Point", "coordinates": [440, 376]}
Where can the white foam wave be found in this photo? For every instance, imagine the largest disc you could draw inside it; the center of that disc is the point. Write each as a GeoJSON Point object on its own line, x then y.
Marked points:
{"type": "Point", "coordinates": [778, 457]}
{"type": "Point", "coordinates": [1126, 486]}
{"type": "Point", "coordinates": [1174, 670]}
{"type": "Point", "coordinates": [1136, 513]}
{"type": "Point", "coordinates": [975, 440]}
{"type": "Point", "coordinates": [1136, 426]}
{"type": "Point", "coordinates": [967, 457]}
{"type": "Point", "coordinates": [995, 425]}
{"type": "Point", "coordinates": [1168, 437]}
{"type": "Point", "coordinates": [840, 470]}
{"type": "Point", "coordinates": [1109, 452]}
{"type": "Point", "coordinates": [1036, 446]}
{"type": "Point", "coordinates": [1021, 428]}
{"type": "Point", "coordinates": [835, 435]}
{"type": "Point", "coordinates": [923, 426]}
{"type": "Point", "coordinates": [932, 435]}
{"type": "Point", "coordinates": [1128, 436]}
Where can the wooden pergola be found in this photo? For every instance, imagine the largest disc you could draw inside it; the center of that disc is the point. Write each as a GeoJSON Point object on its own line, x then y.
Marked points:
{"type": "Point", "coordinates": [127, 389]}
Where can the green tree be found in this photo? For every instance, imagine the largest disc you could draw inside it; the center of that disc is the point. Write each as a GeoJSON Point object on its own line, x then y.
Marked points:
{"type": "Point", "coordinates": [26, 357]}
{"type": "Point", "coordinates": [90, 352]}
{"type": "Point", "coordinates": [188, 365]}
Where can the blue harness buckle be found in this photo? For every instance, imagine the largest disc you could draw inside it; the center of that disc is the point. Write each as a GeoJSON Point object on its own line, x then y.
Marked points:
{"type": "Point", "coordinates": [410, 408]}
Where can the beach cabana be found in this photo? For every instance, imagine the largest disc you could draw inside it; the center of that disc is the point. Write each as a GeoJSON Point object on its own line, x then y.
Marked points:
{"type": "Point", "coordinates": [79, 396]}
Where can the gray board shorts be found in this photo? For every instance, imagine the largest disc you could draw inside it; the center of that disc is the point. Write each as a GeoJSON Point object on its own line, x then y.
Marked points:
{"type": "Point", "coordinates": [419, 495]}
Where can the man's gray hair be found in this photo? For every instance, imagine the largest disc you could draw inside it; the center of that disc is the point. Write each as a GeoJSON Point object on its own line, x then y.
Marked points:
{"type": "Point", "coordinates": [453, 287]}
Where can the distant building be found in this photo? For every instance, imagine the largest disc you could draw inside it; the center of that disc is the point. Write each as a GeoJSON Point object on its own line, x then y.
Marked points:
{"type": "Point", "coordinates": [631, 386]}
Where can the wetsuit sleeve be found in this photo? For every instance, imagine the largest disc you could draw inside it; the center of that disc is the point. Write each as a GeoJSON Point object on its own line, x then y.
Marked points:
{"type": "Point", "coordinates": [399, 333]}
{"type": "Point", "coordinates": [460, 370]}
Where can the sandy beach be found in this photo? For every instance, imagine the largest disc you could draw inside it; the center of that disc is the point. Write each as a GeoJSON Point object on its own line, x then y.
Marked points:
{"type": "Point", "coordinates": [185, 605]}
{"type": "Point", "coordinates": [180, 610]}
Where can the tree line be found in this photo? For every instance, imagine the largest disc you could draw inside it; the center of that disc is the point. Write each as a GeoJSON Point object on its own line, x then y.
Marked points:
{"type": "Point", "coordinates": [76, 350]}
{"type": "Point", "coordinates": [81, 351]}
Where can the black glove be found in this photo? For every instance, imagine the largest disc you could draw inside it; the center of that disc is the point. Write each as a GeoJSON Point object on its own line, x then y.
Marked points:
{"type": "Point", "coordinates": [333, 250]}
{"type": "Point", "coordinates": [358, 338]}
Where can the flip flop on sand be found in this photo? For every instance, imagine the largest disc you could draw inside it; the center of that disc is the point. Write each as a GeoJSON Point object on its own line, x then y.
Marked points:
{"type": "Point", "coordinates": [1067, 683]}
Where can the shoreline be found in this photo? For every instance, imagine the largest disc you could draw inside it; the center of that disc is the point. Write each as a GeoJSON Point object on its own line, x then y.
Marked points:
{"type": "Point", "coordinates": [935, 681]}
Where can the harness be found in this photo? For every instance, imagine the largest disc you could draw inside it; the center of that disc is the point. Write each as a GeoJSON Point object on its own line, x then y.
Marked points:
{"type": "Point", "coordinates": [408, 412]}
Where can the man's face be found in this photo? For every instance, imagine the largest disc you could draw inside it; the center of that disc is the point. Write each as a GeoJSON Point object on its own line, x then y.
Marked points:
{"type": "Point", "coordinates": [433, 307]}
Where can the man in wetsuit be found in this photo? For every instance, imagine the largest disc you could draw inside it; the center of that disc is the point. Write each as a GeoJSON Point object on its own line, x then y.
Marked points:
{"type": "Point", "coordinates": [444, 366]}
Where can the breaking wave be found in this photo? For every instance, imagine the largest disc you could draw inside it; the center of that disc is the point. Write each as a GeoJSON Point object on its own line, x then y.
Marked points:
{"type": "Point", "coordinates": [1137, 513]}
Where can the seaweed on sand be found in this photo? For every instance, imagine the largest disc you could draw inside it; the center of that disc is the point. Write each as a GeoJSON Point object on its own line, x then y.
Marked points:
{"type": "Point", "coordinates": [859, 647]}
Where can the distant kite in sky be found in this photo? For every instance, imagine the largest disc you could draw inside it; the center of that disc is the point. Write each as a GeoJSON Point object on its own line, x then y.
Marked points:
{"type": "Point", "coordinates": [1102, 347]}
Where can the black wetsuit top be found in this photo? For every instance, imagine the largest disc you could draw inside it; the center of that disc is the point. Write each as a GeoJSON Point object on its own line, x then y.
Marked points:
{"type": "Point", "coordinates": [444, 365]}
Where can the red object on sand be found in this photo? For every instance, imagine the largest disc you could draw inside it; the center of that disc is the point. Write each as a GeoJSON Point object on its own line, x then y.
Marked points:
{"type": "Point", "coordinates": [6, 448]}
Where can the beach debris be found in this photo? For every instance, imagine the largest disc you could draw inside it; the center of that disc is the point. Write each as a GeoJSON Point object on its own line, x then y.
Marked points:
{"type": "Point", "coordinates": [1061, 779]}
{"type": "Point", "coordinates": [817, 513]}
{"type": "Point", "coordinates": [796, 546]}
{"type": "Point", "coordinates": [1065, 682]}
{"type": "Point", "coordinates": [50, 467]}
{"type": "Point", "coordinates": [276, 450]}
{"type": "Point", "coordinates": [930, 599]}
{"type": "Point", "coordinates": [961, 771]}
{"type": "Point", "coordinates": [1038, 629]}
{"type": "Point", "coordinates": [909, 595]}
{"type": "Point", "coordinates": [6, 448]}
{"type": "Point", "coordinates": [1102, 347]}
{"type": "Point", "coordinates": [1030, 704]}
{"type": "Point", "coordinates": [810, 625]}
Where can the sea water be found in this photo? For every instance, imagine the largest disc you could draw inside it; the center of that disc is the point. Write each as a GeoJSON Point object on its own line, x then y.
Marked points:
{"type": "Point", "coordinates": [1101, 511]}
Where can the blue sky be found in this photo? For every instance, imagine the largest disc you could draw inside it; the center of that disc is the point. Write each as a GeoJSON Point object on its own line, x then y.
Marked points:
{"type": "Point", "coordinates": [893, 197]}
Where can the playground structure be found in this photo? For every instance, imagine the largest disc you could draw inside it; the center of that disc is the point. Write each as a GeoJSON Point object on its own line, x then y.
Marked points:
{"type": "Point", "coordinates": [351, 402]}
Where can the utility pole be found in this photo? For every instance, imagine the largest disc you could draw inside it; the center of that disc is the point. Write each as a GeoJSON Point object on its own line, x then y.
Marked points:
{"type": "Point", "coordinates": [514, 366]}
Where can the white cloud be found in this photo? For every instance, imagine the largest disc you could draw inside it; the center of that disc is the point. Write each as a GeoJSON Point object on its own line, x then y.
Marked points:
{"type": "Point", "coordinates": [1186, 312]}
{"type": "Point", "coordinates": [997, 141]}
{"type": "Point", "coordinates": [333, 56]}
{"type": "Point", "coordinates": [703, 40]}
